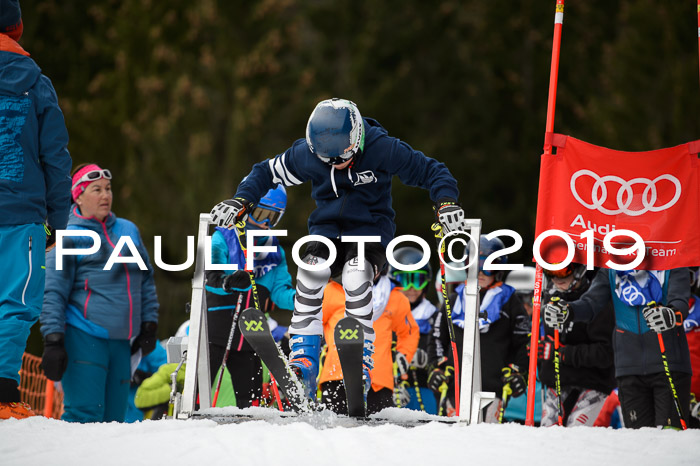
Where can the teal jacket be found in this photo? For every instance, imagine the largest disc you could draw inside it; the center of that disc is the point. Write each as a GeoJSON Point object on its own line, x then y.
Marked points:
{"type": "Point", "coordinates": [272, 279]}
{"type": "Point", "coordinates": [636, 346]}
{"type": "Point", "coordinates": [108, 304]}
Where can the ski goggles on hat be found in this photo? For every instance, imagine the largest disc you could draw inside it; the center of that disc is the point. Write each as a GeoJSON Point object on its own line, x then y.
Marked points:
{"type": "Point", "coordinates": [93, 175]}
{"type": "Point", "coordinates": [417, 279]}
{"type": "Point", "coordinates": [562, 273]}
{"type": "Point", "coordinates": [263, 216]}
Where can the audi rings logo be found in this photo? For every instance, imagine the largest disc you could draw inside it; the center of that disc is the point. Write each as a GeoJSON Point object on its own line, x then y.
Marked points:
{"type": "Point", "coordinates": [625, 195]}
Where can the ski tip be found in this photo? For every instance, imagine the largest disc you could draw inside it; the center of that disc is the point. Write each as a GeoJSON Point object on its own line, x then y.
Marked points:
{"type": "Point", "coordinates": [349, 329]}
{"type": "Point", "coordinates": [349, 321]}
{"type": "Point", "coordinates": [250, 312]}
{"type": "Point", "coordinates": [252, 321]}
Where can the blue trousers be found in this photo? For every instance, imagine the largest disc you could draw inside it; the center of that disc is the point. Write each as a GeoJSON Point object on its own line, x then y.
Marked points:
{"type": "Point", "coordinates": [96, 382]}
{"type": "Point", "coordinates": [22, 272]}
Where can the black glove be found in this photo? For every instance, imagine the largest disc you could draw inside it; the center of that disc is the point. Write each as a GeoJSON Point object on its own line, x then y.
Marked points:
{"type": "Point", "coordinates": [450, 215]}
{"type": "Point", "coordinates": [441, 374]}
{"type": "Point", "coordinates": [50, 236]}
{"type": "Point", "coordinates": [545, 350]}
{"type": "Point", "coordinates": [661, 318]}
{"type": "Point", "coordinates": [229, 212]}
{"type": "Point", "coordinates": [512, 376]}
{"type": "Point", "coordinates": [557, 314]}
{"type": "Point", "coordinates": [54, 361]}
{"type": "Point", "coordinates": [237, 281]}
{"type": "Point", "coordinates": [146, 339]}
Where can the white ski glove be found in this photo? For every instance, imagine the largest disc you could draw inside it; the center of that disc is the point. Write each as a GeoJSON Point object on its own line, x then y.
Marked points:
{"type": "Point", "coordinates": [402, 394]}
{"type": "Point", "coordinates": [401, 365]}
{"type": "Point", "coordinates": [661, 318]}
{"type": "Point", "coordinates": [556, 313]}
{"type": "Point", "coordinates": [450, 215]}
{"type": "Point", "coordinates": [229, 212]}
{"type": "Point", "coordinates": [420, 359]}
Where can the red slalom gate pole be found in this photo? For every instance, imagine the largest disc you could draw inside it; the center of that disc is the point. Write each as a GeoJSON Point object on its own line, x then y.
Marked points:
{"type": "Point", "coordinates": [534, 341]}
{"type": "Point", "coordinates": [551, 105]}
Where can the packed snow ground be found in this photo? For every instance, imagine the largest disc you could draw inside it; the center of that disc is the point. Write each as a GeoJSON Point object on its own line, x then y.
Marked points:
{"type": "Point", "coordinates": [319, 441]}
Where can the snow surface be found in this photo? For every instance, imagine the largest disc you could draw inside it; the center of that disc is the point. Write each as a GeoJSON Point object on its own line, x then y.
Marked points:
{"type": "Point", "coordinates": [325, 439]}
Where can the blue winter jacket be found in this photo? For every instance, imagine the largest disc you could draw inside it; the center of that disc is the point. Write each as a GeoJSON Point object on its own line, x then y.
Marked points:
{"type": "Point", "coordinates": [356, 200]}
{"type": "Point", "coordinates": [34, 161]}
{"type": "Point", "coordinates": [104, 303]}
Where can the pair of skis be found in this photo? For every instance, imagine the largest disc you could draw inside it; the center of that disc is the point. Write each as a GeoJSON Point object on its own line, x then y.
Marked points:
{"type": "Point", "coordinates": [349, 339]}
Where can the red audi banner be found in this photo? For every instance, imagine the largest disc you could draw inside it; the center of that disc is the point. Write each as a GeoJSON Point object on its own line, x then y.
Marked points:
{"type": "Point", "coordinates": [589, 193]}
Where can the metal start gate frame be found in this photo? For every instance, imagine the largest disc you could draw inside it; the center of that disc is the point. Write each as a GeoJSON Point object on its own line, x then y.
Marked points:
{"type": "Point", "coordinates": [198, 364]}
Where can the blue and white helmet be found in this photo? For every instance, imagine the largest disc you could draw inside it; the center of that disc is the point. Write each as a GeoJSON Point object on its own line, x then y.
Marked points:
{"type": "Point", "coordinates": [335, 131]}
{"type": "Point", "coordinates": [270, 208]}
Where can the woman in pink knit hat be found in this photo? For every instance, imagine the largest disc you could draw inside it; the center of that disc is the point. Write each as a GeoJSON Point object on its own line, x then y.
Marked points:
{"type": "Point", "coordinates": [94, 319]}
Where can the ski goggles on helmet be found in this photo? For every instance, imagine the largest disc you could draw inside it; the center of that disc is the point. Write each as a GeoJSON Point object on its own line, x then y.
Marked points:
{"type": "Point", "coordinates": [417, 279]}
{"type": "Point", "coordinates": [263, 216]}
{"type": "Point", "coordinates": [562, 273]}
{"type": "Point", "coordinates": [337, 160]}
{"type": "Point", "coordinates": [93, 175]}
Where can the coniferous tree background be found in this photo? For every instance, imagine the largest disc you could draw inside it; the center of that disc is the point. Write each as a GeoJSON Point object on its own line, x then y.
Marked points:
{"type": "Point", "coordinates": [180, 98]}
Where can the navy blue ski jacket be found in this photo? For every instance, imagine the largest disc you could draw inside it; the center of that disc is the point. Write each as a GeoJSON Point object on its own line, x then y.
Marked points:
{"type": "Point", "coordinates": [355, 201]}
{"type": "Point", "coordinates": [34, 160]}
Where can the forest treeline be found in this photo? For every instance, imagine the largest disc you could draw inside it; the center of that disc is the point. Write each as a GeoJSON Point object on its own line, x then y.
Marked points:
{"type": "Point", "coordinates": [180, 98]}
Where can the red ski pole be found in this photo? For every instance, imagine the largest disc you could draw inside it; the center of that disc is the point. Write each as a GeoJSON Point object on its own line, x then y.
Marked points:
{"type": "Point", "coordinates": [551, 105]}
{"type": "Point", "coordinates": [228, 348]}
{"type": "Point", "coordinates": [276, 392]}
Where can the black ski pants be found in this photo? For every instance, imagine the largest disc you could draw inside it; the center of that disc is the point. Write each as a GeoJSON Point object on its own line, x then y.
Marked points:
{"type": "Point", "coordinates": [333, 396]}
{"type": "Point", "coordinates": [647, 401]}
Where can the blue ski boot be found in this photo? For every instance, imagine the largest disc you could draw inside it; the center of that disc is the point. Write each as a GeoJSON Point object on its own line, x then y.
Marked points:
{"type": "Point", "coordinates": [367, 366]}
{"type": "Point", "coordinates": [303, 360]}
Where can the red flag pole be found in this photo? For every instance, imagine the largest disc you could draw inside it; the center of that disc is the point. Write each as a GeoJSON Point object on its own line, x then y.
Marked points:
{"type": "Point", "coordinates": [536, 305]}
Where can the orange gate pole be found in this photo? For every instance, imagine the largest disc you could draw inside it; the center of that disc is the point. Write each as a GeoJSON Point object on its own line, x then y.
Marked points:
{"type": "Point", "coordinates": [48, 398]}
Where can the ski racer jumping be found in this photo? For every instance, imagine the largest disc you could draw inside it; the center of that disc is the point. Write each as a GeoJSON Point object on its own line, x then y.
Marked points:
{"type": "Point", "coordinates": [350, 162]}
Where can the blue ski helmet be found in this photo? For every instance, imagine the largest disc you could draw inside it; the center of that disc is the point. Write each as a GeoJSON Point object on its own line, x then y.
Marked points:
{"type": "Point", "coordinates": [488, 247]}
{"type": "Point", "coordinates": [335, 131]}
{"type": "Point", "coordinates": [270, 208]}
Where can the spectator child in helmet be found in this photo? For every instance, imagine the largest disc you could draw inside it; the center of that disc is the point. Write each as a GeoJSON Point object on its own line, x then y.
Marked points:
{"type": "Point", "coordinates": [586, 370]}
{"type": "Point", "coordinates": [504, 327]}
{"type": "Point", "coordinates": [414, 285]}
{"type": "Point", "coordinates": [274, 285]}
